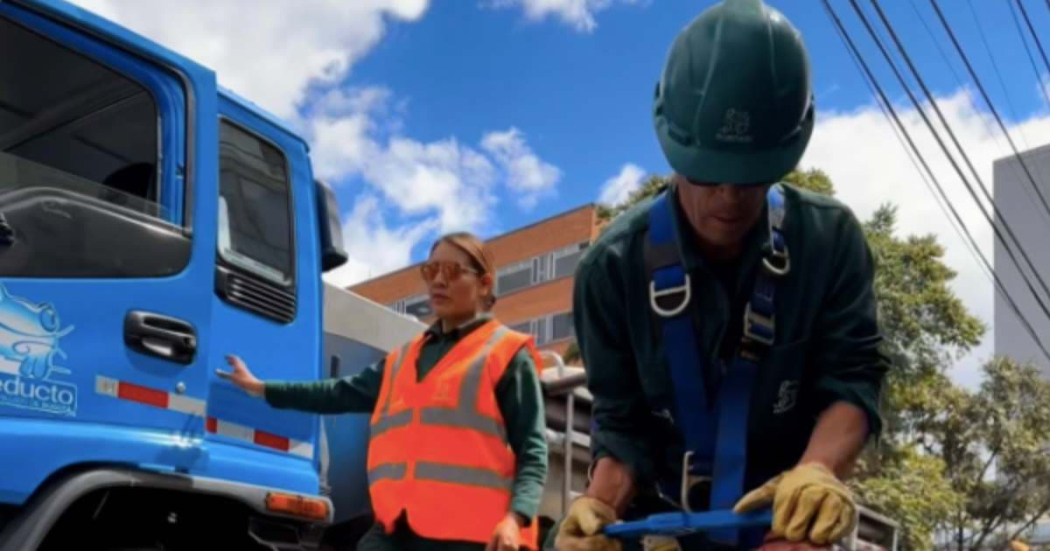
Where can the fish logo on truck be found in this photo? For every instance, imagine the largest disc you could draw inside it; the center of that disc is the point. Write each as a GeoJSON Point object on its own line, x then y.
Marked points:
{"type": "Point", "coordinates": [29, 345]}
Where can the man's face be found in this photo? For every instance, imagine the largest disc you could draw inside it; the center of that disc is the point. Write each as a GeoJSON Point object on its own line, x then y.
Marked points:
{"type": "Point", "coordinates": [722, 214]}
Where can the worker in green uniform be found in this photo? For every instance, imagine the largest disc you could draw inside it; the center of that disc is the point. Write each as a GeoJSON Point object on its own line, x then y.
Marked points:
{"type": "Point", "coordinates": [459, 276]}
{"type": "Point", "coordinates": [729, 307]}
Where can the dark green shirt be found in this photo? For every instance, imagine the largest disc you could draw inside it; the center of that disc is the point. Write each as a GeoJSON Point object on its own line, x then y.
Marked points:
{"type": "Point", "coordinates": [518, 395]}
{"type": "Point", "coordinates": [827, 346]}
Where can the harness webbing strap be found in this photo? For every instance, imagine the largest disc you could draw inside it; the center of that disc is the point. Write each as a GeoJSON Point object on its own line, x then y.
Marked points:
{"type": "Point", "coordinates": [715, 440]}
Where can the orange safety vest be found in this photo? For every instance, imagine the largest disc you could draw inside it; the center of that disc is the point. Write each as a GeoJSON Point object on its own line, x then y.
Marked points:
{"type": "Point", "coordinates": [438, 450]}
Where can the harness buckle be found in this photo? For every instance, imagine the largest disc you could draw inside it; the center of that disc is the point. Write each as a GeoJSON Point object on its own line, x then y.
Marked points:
{"type": "Point", "coordinates": [689, 481]}
{"type": "Point", "coordinates": [776, 260]}
{"type": "Point", "coordinates": [759, 328]}
{"type": "Point", "coordinates": [654, 296]}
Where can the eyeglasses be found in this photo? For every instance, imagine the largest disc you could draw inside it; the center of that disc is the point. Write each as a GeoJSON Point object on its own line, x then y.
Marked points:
{"type": "Point", "coordinates": [451, 270]}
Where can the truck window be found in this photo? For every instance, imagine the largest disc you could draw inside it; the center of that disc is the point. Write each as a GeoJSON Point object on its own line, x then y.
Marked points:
{"type": "Point", "coordinates": [79, 179]}
{"type": "Point", "coordinates": [68, 122]}
{"type": "Point", "coordinates": [255, 219]}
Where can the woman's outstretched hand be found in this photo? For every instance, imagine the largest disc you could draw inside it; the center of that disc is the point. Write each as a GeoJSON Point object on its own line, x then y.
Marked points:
{"type": "Point", "coordinates": [242, 377]}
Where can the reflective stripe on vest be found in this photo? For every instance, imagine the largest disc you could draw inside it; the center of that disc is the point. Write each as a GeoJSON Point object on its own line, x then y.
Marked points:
{"type": "Point", "coordinates": [465, 415]}
{"type": "Point", "coordinates": [401, 418]}
{"type": "Point", "coordinates": [387, 471]}
{"type": "Point", "coordinates": [456, 474]}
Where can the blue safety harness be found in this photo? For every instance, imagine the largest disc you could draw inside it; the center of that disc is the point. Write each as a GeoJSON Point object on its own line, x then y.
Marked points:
{"type": "Point", "coordinates": [713, 426]}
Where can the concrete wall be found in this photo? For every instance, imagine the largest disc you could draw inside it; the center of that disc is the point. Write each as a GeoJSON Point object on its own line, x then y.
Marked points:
{"type": "Point", "coordinates": [1030, 222]}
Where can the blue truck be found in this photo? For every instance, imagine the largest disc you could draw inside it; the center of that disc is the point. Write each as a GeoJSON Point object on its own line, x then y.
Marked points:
{"type": "Point", "coordinates": [150, 223]}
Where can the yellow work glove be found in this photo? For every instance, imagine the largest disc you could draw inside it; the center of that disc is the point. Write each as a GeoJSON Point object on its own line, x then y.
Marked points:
{"type": "Point", "coordinates": [809, 503]}
{"type": "Point", "coordinates": [581, 530]}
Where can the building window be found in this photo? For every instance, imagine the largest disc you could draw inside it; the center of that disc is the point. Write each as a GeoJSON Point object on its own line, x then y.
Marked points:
{"type": "Point", "coordinates": [523, 327]}
{"type": "Point", "coordinates": [541, 269]}
{"type": "Point", "coordinates": [565, 260]}
{"type": "Point", "coordinates": [547, 329]}
{"type": "Point", "coordinates": [514, 277]}
{"type": "Point", "coordinates": [562, 327]}
{"type": "Point", "coordinates": [539, 331]}
{"type": "Point", "coordinates": [415, 305]}
{"type": "Point", "coordinates": [418, 306]}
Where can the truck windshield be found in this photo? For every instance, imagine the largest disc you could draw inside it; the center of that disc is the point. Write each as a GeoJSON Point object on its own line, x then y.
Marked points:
{"type": "Point", "coordinates": [71, 124]}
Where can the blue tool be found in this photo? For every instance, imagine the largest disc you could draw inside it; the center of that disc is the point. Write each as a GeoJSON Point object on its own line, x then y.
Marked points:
{"type": "Point", "coordinates": [682, 524]}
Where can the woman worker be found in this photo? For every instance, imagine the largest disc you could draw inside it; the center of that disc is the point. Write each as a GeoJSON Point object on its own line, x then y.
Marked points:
{"type": "Point", "coordinates": [457, 455]}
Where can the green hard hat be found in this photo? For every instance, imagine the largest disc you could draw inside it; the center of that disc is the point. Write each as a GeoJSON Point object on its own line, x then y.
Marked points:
{"type": "Point", "coordinates": [734, 104]}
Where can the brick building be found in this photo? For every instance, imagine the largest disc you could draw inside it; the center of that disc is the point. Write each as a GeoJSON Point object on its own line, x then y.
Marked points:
{"type": "Point", "coordinates": [534, 274]}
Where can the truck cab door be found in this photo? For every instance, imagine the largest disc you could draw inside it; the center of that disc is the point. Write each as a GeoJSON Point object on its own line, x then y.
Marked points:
{"type": "Point", "coordinates": [106, 249]}
{"type": "Point", "coordinates": [266, 304]}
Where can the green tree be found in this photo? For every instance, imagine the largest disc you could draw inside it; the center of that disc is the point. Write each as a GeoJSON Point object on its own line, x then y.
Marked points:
{"type": "Point", "coordinates": [572, 354]}
{"type": "Point", "coordinates": [813, 179]}
{"type": "Point", "coordinates": [997, 453]}
{"type": "Point", "coordinates": [915, 491]}
{"type": "Point", "coordinates": [652, 185]}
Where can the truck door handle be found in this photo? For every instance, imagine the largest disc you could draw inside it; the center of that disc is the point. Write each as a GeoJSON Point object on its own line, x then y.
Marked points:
{"type": "Point", "coordinates": [161, 336]}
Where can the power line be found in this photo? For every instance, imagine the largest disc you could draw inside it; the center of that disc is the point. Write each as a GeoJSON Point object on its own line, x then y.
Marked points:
{"type": "Point", "coordinates": [1035, 37]}
{"type": "Point", "coordinates": [969, 97]}
{"type": "Point", "coordinates": [988, 100]}
{"type": "Point", "coordinates": [1006, 91]}
{"type": "Point", "coordinates": [951, 158]}
{"type": "Point", "coordinates": [995, 64]}
{"type": "Point", "coordinates": [870, 78]}
{"type": "Point", "coordinates": [911, 156]}
{"type": "Point", "coordinates": [944, 55]}
{"type": "Point", "coordinates": [1028, 51]}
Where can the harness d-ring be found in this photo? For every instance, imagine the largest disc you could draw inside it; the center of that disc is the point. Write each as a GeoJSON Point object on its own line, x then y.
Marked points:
{"type": "Point", "coordinates": [685, 288]}
{"type": "Point", "coordinates": [778, 271]}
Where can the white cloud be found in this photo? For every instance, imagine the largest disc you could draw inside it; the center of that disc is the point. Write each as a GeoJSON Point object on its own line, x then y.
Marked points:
{"type": "Point", "coordinates": [340, 125]}
{"type": "Point", "coordinates": [451, 185]}
{"type": "Point", "coordinates": [354, 136]}
{"type": "Point", "coordinates": [442, 176]}
{"type": "Point", "coordinates": [617, 189]}
{"type": "Point", "coordinates": [861, 154]}
{"type": "Point", "coordinates": [266, 50]}
{"type": "Point", "coordinates": [579, 14]}
{"type": "Point", "coordinates": [526, 174]}
{"type": "Point", "coordinates": [372, 246]}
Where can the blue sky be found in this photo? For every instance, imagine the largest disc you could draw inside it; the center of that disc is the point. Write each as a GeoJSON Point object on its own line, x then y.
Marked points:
{"type": "Point", "coordinates": [582, 99]}
{"type": "Point", "coordinates": [433, 115]}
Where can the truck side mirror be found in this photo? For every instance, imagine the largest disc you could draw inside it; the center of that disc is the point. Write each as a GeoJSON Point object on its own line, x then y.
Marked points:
{"type": "Point", "coordinates": [333, 255]}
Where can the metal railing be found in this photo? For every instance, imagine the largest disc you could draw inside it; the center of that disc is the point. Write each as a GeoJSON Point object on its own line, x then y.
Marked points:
{"type": "Point", "coordinates": [565, 385]}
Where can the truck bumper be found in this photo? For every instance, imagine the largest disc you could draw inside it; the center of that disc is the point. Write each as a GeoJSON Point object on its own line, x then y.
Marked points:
{"type": "Point", "coordinates": [31, 526]}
